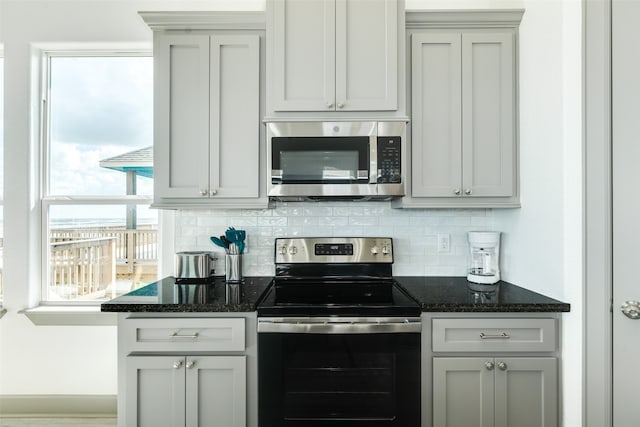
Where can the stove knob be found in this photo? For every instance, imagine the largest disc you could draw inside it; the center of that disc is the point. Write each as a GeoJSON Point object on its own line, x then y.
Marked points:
{"type": "Point", "coordinates": [374, 250]}
{"type": "Point", "coordinates": [293, 250]}
{"type": "Point", "coordinates": [385, 250]}
{"type": "Point", "coordinates": [282, 250]}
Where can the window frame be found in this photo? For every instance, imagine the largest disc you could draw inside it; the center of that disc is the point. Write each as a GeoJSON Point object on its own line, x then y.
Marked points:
{"type": "Point", "coordinates": [2, 310]}
{"type": "Point", "coordinates": [47, 200]}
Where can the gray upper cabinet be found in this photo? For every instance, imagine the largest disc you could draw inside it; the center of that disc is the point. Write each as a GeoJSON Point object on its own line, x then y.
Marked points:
{"type": "Point", "coordinates": [333, 55]}
{"type": "Point", "coordinates": [207, 143]}
{"type": "Point", "coordinates": [464, 139]}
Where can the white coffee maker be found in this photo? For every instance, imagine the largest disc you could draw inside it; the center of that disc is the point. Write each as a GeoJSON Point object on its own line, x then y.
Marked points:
{"type": "Point", "coordinates": [484, 257]}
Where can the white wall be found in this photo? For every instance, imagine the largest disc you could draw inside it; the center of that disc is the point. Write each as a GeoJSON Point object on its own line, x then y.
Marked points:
{"type": "Point", "coordinates": [541, 246]}
{"type": "Point", "coordinates": [42, 360]}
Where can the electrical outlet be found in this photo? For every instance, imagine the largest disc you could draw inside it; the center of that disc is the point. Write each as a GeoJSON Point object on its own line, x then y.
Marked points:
{"type": "Point", "coordinates": [444, 243]}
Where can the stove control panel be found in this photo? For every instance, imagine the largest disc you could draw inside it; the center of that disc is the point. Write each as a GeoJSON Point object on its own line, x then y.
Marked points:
{"type": "Point", "coordinates": [347, 250]}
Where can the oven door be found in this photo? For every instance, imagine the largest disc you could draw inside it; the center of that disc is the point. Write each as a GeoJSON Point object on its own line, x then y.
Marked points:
{"type": "Point", "coordinates": [339, 372]}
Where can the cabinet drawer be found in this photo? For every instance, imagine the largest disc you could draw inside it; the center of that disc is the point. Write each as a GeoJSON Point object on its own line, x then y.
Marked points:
{"type": "Point", "coordinates": [494, 335]}
{"type": "Point", "coordinates": [183, 334]}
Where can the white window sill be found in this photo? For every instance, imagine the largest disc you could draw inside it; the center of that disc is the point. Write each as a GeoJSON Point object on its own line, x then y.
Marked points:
{"type": "Point", "coordinates": [49, 315]}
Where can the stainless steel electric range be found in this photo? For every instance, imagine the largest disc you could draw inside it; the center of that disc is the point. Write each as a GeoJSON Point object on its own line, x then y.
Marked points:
{"type": "Point", "coordinates": [338, 339]}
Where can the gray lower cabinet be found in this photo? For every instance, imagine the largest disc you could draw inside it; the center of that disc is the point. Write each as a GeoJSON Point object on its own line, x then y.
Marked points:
{"type": "Point", "coordinates": [491, 370]}
{"type": "Point", "coordinates": [495, 392]}
{"type": "Point", "coordinates": [464, 139]}
{"type": "Point", "coordinates": [187, 370]}
{"type": "Point", "coordinates": [190, 391]}
{"type": "Point", "coordinates": [207, 112]}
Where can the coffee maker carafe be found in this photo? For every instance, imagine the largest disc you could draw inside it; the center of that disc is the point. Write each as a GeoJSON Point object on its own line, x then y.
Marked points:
{"type": "Point", "coordinates": [484, 257]}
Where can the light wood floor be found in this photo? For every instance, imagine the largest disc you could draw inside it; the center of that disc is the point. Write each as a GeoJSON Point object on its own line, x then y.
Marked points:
{"type": "Point", "coordinates": [57, 422]}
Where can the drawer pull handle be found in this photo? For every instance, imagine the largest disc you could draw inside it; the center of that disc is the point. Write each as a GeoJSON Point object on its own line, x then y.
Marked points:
{"type": "Point", "coordinates": [502, 336]}
{"type": "Point", "coordinates": [193, 336]}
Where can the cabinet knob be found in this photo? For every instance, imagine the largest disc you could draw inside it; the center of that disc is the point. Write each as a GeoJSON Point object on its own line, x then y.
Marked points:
{"type": "Point", "coordinates": [329, 104]}
{"type": "Point", "coordinates": [502, 366]}
{"type": "Point", "coordinates": [489, 366]}
{"type": "Point", "coordinates": [177, 364]}
{"type": "Point", "coordinates": [456, 191]}
{"type": "Point", "coordinates": [214, 192]}
{"type": "Point", "coordinates": [190, 364]}
{"type": "Point", "coordinates": [204, 192]}
{"type": "Point", "coordinates": [467, 191]}
{"type": "Point", "coordinates": [340, 104]}
{"type": "Point", "coordinates": [631, 309]}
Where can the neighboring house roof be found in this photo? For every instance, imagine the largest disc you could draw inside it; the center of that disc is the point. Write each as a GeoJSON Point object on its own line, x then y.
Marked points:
{"type": "Point", "coordinates": [139, 161]}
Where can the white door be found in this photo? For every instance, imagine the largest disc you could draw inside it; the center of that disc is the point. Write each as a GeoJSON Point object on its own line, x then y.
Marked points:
{"type": "Point", "coordinates": [626, 209]}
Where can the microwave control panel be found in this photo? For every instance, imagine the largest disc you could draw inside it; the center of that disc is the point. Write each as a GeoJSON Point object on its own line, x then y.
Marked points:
{"type": "Point", "coordinates": [389, 156]}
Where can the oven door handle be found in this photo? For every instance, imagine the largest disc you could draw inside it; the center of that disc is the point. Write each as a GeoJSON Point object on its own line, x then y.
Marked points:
{"type": "Point", "coordinates": [340, 326]}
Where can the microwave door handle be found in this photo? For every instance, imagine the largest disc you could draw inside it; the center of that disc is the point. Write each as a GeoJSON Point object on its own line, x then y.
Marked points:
{"type": "Point", "coordinates": [373, 159]}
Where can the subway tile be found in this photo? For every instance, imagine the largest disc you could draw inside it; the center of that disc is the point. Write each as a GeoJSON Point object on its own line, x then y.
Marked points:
{"type": "Point", "coordinates": [272, 221]}
{"type": "Point", "coordinates": [413, 231]}
{"type": "Point", "coordinates": [318, 211]}
{"type": "Point", "coordinates": [348, 211]}
{"type": "Point", "coordinates": [333, 220]}
{"type": "Point", "coordinates": [303, 220]}
{"type": "Point", "coordinates": [363, 220]}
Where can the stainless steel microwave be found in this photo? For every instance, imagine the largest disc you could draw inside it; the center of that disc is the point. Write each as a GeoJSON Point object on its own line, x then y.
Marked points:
{"type": "Point", "coordinates": [335, 160]}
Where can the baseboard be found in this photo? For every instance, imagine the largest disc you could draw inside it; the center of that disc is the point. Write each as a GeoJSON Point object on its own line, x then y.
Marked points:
{"type": "Point", "coordinates": [58, 406]}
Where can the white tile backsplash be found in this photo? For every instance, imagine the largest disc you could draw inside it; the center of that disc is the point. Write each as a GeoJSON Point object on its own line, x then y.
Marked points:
{"type": "Point", "coordinates": [413, 231]}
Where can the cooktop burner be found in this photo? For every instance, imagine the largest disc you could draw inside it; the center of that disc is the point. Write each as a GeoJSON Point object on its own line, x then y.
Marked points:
{"type": "Point", "coordinates": [335, 277]}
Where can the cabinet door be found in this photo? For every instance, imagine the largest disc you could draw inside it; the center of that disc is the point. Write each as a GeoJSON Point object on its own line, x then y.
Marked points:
{"type": "Point", "coordinates": [216, 391]}
{"type": "Point", "coordinates": [181, 117]}
{"type": "Point", "coordinates": [235, 116]}
{"type": "Point", "coordinates": [526, 391]}
{"type": "Point", "coordinates": [303, 55]}
{"type": "Point", "coordinates": [366, 55]}
{"type": "Point", "coordinates": [463, 392]}
{"type": "Point", "coordinates": [488, 111]}
{"type": "Point", "coordinates": [155, 391]}
{"type": "Point", "coordinates": [436, 138]}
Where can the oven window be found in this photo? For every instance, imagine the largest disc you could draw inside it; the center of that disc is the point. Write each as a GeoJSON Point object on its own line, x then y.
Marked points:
{"type": "Point", "coordinates": [305, 166]}
{"type": "Point", "coordinates": [338, 377]}
{"type": "Point", "coordinates": [320, 160]}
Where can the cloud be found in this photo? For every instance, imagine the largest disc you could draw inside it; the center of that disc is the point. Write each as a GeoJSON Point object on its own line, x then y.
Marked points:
{"type": "Point", "coordinates": [100, 107]}
{"type": "Point", "coordinates": [102, 100]}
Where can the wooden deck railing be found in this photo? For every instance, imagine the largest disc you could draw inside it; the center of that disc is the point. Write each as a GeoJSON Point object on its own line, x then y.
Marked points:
{"type": "Point", "coordinates": [84, 265]}
{"type": "Point", "coordinates": [132, 246]}
{"type": "Point", "coordinates": [82, 268]}
{"type": "Point", "coordinates": [87, 262]}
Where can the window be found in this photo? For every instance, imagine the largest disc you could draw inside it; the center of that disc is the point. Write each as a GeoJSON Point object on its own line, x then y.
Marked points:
{"type": "Point", "coordinates": [100, 237]}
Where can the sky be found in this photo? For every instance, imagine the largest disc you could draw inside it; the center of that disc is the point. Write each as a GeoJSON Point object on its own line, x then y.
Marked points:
{"type": "Point", "coordinates": [99, 108]}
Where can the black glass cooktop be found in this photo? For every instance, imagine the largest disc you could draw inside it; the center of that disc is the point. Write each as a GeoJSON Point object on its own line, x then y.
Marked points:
{"type": "Point", "coordinates": [337, 297]}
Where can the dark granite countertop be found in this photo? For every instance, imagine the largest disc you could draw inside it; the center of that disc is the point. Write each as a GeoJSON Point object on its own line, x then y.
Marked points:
{"type": "Point", "coordinates": [166, 296]}
{"type": "Point", "coordinates": [456, 294]}
{"type": "Point", "coordinates": [434, 294]}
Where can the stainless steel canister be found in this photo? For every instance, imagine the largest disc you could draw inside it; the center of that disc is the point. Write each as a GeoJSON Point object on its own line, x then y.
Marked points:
{"type": "Point", "coordinates": [233, 268]}
{"type": "Point", "coordinates": [194, 265]}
